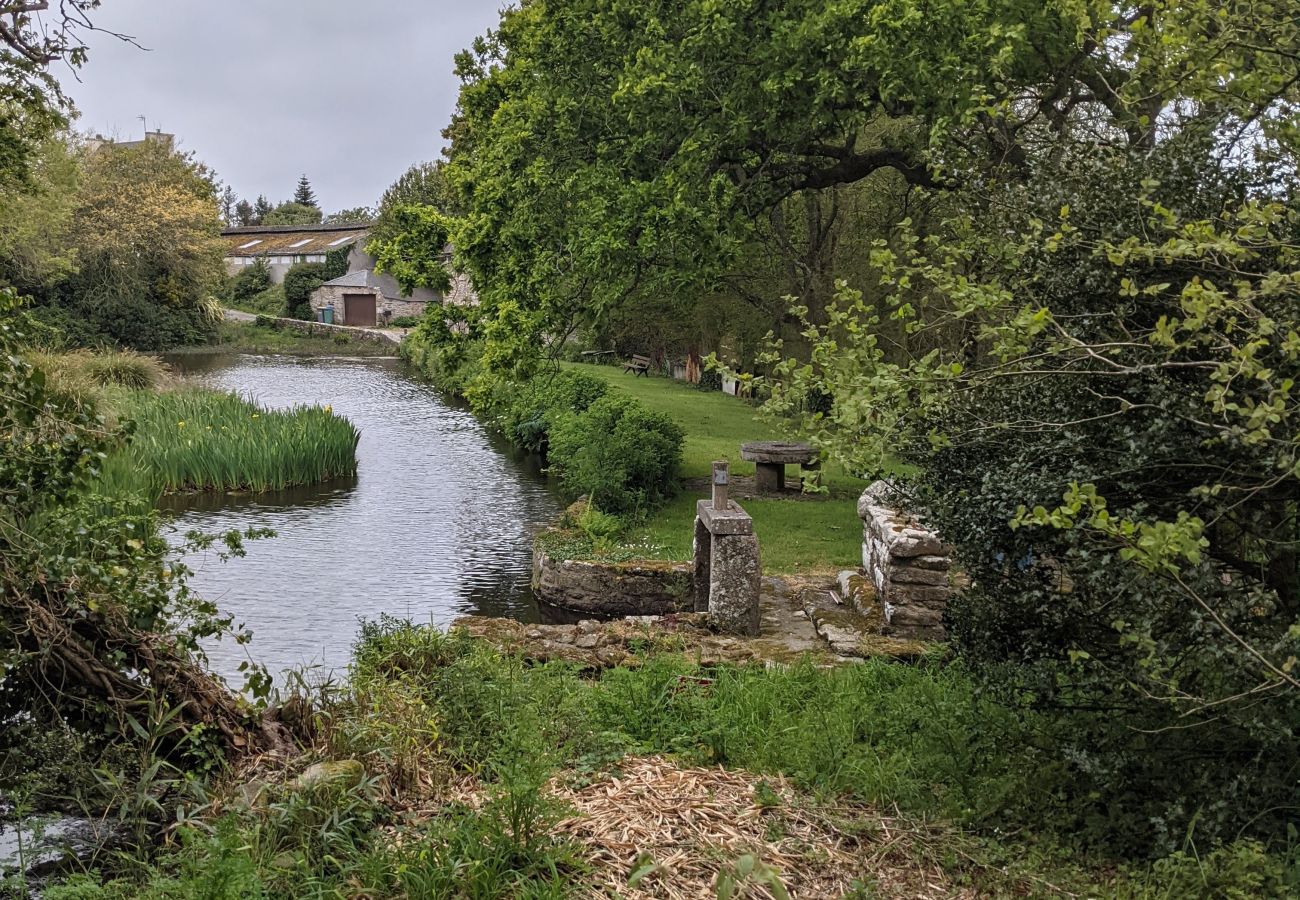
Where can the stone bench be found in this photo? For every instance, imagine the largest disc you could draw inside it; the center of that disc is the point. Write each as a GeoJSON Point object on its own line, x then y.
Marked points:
{"type": "Point", "coordinates": [770, 459]}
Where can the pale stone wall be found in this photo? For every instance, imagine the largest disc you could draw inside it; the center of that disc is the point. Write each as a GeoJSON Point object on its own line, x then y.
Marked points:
{"type": "Point", "coordinates": [908, 564]}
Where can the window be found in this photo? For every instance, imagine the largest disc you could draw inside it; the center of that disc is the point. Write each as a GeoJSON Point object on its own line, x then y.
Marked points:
{"type": "Point", "coordinates": [250, 244]}
{"type": "Point", "coordinates": [300, 243]}
{"type": "Point", "coordinates": [342, 240]}
{"type": "Point", "coordinates": [316, 258]}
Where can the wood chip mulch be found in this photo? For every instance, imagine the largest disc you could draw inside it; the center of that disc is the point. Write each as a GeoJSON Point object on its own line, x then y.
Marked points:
{"type": "Point", "coordinates": [693, 822]}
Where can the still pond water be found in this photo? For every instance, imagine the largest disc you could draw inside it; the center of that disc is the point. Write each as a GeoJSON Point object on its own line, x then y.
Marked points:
{"type": "Point", "coordinates": [438, 523]}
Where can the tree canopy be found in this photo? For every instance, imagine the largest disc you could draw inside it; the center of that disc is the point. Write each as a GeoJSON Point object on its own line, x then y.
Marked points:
{"type": "Point", "coordinates": [1042, 254]}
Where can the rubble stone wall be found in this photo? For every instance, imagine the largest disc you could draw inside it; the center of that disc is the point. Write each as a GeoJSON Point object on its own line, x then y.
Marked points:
{"type": "Point", "coordinates": [908, 564]}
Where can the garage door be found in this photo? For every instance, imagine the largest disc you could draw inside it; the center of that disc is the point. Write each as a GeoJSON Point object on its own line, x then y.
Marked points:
{"type": "Point", "coordinates": [359, 309]}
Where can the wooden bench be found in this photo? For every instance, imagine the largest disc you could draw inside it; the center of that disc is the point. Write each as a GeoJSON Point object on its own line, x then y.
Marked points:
{"type": "Point", "coordinates": [637, 365]}
{"type": "Point", "coordinates": [770, 459]}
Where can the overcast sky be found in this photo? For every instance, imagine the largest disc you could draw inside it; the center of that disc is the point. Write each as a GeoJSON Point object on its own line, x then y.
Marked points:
{"type": "Point", "coordinates": [265, 90]}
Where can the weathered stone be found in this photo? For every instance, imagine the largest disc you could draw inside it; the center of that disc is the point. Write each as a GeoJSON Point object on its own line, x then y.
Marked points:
{"type": "Point", "coordinates": [701, 558]}
{"type": "Point", "coordinates": [907, 564]}
{"type": "Point", "coordinates": [777, 452]}
{"type": "Point", "coordinates": [611, 589]}
{"type": "Point", "coordinates": [732, 520]}
{"type": "Point", "coordinates": [345, 773]}
{"type": "Point", "coordinates": [902, 574]}
{"type": "Point", "coordinates": [909, 542]}
{"type": "Point", "coordinates": [907, 616]}
{"type": "Point", "coordinates": [917, 594]}
{"type": "Point", "coordinates": [587, 641]}
{"type": "Point", "coordinates": [734, 584]}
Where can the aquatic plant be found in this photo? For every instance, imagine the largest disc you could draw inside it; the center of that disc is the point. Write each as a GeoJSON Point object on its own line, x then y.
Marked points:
{"type": "Point", "coordinates": [194, 439]}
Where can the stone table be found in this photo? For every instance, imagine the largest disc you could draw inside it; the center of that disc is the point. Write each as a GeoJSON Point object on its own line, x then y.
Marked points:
{"type": "Point", "coordinates": [770, 459]}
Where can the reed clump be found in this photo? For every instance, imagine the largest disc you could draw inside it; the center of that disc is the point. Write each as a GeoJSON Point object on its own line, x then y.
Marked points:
{"type": "Point", "coordinates": [194, 440]}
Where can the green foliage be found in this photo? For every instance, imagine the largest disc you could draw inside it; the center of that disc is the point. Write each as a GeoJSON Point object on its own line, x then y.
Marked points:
{"type": "Point", "coordinates": [35, 218]}
{"type": "Point", "coordinates": [414, 255]}
{"type": "Point", "coordinates": [1091, 368]}
{"type": "Point", "coordinates": [404, 321]}
{"type": "Point", "coordinates": [292, 213]}
{"type": "Point", "coordinates": [528, 413]}
{"type": "Point", "coordinates": [611, 448]}
{"type": "Point", "coordinates": [300, 282]}
{"type": "Point", "coordinates": [351, 216]}
{"type": "Point", "coordinates": [145, 236]}
{"type": "Point", "coordinates": [421, 185]}
{"type": "Point", "coordinates": [336, 262]}
{"type": "Point", "coordinates": [251, 281]}
{"type": "Point", "coordinates": [618, 453]}
{"type": "Point", "coordinates": [200, 440]}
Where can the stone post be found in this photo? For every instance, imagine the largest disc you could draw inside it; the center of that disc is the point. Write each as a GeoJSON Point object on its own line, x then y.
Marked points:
{"type": "Point", "coordinates": [701, 558]}
{"type": "Point", "coordinates": [721, 478]}
{"type": "Point", "coordinates": [734, 585]}
{"type": "Point", "coordinates": [726, 567]}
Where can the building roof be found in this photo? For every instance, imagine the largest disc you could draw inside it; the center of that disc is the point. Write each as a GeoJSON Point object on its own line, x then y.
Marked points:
{"type": "Point", "coordinates": [291, 240]}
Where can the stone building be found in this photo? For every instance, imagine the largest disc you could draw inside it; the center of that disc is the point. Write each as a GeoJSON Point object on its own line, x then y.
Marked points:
{"type": "Point", "coordinates": [366, 297]}
{"type": "Point", "coordinates": [282, 247]}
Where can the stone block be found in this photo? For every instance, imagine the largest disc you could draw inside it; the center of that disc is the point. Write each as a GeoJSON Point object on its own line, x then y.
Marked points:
{"type": "Point", "coordinates": [734, 584]}
{"type": "Point", "coordinates": [915, 594]}
{"type": "Point", "coordinates": [732, 520]}
{"type": "Point", "coordinates": [904, 574]}
{"type": "Point", "coordinates": [902, 617]}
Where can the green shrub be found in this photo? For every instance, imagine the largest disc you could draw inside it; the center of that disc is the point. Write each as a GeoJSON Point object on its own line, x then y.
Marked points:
{"type": "Point", "coordinates": [533, 409]}
{"type": "Point", "coordinates": [620, 454]}
{"type": "Point", "coordinates": [127, 369]}
{"type": "Point", "coordinates": [404, 321]}
{"type": "Point", "coordinates": [251, 281]}
{"type": "Point", "coordinates": [269, 302]}
{"type": "Point", "coordinates": [300, 283]}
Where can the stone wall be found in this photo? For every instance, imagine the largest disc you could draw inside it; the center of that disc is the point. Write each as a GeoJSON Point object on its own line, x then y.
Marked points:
{"type": "Point", "coordinates": [320, 328]}
{"type": "Point", "coordinates": [640, 588]}
{"type": "Point", "coordinates": [908, 564]}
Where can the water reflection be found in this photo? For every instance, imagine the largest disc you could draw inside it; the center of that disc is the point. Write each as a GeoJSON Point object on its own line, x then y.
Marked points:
{"type": "Point", "coordinates": [438, 523]}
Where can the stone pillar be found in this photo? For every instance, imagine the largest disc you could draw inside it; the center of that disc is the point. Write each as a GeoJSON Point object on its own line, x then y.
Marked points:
{"type": "Point", "coordinates": [726, 567]}
{"type": "Point", "coordinates": [734, 584]}
{"type": "Point", "coordinates": [701, 558]}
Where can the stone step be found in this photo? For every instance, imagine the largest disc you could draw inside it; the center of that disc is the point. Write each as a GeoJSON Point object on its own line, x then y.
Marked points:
{"type": "Point", "coordinates": [850, 622]}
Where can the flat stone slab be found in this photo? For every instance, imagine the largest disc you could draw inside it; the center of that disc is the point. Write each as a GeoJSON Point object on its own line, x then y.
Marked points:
{"type": "Point", "coordinates": [732, 520]}
{"type": "Point", "coordinates": [777, 452]}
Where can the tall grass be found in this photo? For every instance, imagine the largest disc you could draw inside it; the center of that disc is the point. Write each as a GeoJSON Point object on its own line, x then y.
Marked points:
{"type": "Point", "coordinates": [83, 375]}
{"type": "Point", "coordinates": [193, 439]}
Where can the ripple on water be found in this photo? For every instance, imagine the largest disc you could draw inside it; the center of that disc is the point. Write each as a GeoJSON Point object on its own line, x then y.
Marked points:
{"type": "Point", "coordinates": [437, 524]}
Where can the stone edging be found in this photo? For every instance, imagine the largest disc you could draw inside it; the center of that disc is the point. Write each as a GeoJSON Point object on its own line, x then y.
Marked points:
{"type": "Point", "coordinates": [636, 588]}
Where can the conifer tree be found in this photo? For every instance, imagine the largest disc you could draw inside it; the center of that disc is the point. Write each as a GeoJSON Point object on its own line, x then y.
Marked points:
{"type": "Point", "coordinates": [304, 194]}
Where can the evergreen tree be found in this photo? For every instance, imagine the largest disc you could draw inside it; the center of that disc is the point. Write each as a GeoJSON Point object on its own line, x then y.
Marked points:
{"type": "Point", "coordinates": [304, 195]}
{"type": "Point", "coordinates": [244, 214]}
{"type": "Point", "coordinates": [228, 201]}
{"type": "Point", "coordinates": [261, 209]}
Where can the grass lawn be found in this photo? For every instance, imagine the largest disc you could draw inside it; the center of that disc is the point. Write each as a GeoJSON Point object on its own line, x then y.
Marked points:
{"type": "Point", "coordinates": [794, 535]}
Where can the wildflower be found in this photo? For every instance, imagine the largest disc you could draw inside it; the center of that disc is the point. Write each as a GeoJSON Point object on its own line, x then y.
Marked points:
{"type": "Point", "coordinates": [254, 415]}
{"type": "Point", "coordinates": [180, 424]}
{"type": "Point", "coordinates": [329, 407]}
